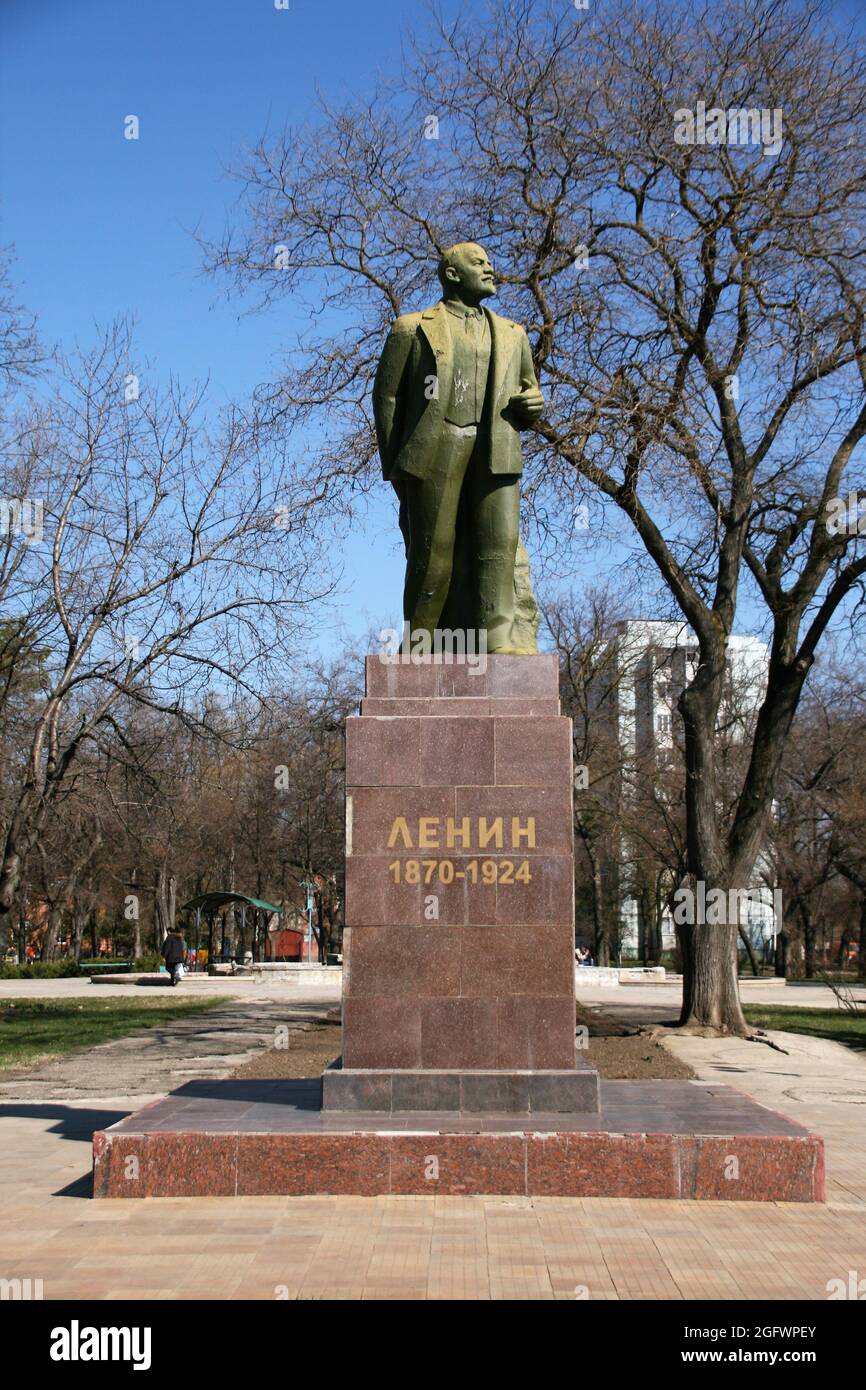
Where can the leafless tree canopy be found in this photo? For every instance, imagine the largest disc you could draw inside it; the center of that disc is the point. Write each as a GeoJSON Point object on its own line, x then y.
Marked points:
{"type": "Point", "coordinates": [151, 556]}
{"type": "Point", "coordinates": [21, 352]}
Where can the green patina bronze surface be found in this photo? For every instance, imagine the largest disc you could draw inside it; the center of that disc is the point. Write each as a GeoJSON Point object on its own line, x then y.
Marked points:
{"type": "Point", "coordinates": [454, 387]}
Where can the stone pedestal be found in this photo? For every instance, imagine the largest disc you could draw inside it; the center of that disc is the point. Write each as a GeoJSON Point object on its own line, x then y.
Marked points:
{"type": "Point", "coordinates": [460, 1072]}
{"type": "Point", "coordinates": [458, 954]}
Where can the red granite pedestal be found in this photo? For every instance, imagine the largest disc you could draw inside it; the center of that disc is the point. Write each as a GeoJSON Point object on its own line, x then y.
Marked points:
{"type": "Point", "coordinates": [459, 1072]}
{"type": "Point", "coordinates": [458, 954]}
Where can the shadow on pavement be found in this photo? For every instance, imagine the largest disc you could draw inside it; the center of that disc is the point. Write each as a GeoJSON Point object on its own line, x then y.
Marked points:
{"type": "Point", "coordinates": [301, 1094]}
{"type": "Point", "coordinates": [72, 1122]}
{"type": "Point", "coordinates": [81, 1187]}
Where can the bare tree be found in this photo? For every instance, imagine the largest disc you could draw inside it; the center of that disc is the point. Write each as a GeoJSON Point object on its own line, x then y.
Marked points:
{"type": "Point", "coordinates": [171, 560]}
{"type": "Point", "coordinates": [696, 305]}
{"type": "Point", "coordinates": [21, 353]}
{"type": "Point", "coordinates": [64, 858]}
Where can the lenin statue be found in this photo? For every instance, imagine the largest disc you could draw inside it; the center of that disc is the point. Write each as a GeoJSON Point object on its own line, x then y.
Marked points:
{"type": "Point", "coordinates": [454, 387]}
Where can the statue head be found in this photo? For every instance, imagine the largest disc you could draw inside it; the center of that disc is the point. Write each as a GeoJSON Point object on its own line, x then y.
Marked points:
{"type": "Point", "coordinates": [465, 273]}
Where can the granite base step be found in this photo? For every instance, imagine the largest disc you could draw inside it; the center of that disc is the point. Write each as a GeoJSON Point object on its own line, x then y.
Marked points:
{"type": "Point", "coordinates": [356, 1089]}
{"type": "Point", "coordinates": [659, 1139]}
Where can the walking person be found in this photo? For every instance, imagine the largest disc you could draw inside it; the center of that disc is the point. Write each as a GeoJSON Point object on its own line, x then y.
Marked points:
{"type": "Point", "coordinates": [173, 951]}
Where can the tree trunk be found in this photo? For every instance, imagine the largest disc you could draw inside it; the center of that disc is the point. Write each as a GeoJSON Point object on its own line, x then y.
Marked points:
{"type": "Point", "coordinates": [6, 931]}
{"type": "Point", "coordinates": [658, 924]}
{"type": "Point", "coordinates": [52, 931]}
{"type": "Point", "coordinates": [165, 904]}
{"type": "Point", "coordinates": [10, 877]}
{"type": "Point", "coordinates": [320, 926]}
{"type": "Point", "coordinates": [711, 996]}
{"type": "Point", "coordinates": [599, 916]}
{"type": "Point", "coordinates": [21, 837]}
{"type": "Point", "coordinates": [78, 920]}
{"type": "Point", "coordinates": [748, 945]}
{"type": "Point", "coordinates": [810, 936]}
{"type": "Point", "coordinates": [229, 920]}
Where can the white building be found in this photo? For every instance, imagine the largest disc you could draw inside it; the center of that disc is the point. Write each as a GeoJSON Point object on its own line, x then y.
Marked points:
{"type": "Point", "coordinates": [655, 659]}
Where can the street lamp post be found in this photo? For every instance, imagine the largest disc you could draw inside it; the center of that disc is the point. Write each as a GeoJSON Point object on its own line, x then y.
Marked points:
{"type": "Point", "coordinates": [309, 888]}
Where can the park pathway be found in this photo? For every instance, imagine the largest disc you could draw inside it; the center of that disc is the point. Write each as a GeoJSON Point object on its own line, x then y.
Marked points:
{"type": "Point", "coordinates": [153, 1061]}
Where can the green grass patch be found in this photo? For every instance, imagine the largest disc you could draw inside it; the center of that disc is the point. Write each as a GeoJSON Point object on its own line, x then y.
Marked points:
{"type": "Point", "coordinates": [32, 1029]}
{"type": "Point", "coordinates": [836, 1024]}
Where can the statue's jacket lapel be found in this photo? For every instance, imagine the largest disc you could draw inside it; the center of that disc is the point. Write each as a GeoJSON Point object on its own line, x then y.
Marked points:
{"type": "Point", "coordinates": [434, 326]}
{"type": "Point", "coordinates": [504, 454]}
{"type": "Point", "coordinates": [502, 347]}
{"type": "Point", "coordinates": [432, 370]}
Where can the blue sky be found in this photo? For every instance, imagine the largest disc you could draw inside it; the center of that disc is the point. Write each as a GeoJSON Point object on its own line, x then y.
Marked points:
{"type": "Point", "coordinates": [102, 224]}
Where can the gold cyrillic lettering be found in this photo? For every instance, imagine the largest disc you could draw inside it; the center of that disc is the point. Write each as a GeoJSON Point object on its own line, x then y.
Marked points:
{"type": "Point", "coordinates": [428, 832]}
{"type": "Point", "coordinates": [453, 832]}
{"type": "Point", "coordinates": [400, 828]}
{"type": "Point", "coordinates": [492, 832]}
{"type": "Point", "coordinates": [527, 832]}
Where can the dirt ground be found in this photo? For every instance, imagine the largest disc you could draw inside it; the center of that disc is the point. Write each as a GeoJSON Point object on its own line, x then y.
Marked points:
{"type": "Point", "coordinates": [615, 1050]}
{"type": "Point", "coordinates": [620, 1053]}
{"type": "Point", "coordinates": [310, 1049]}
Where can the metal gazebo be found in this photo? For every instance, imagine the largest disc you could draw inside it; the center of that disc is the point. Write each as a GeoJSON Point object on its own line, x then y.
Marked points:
{"type": "Point", "coordinates": [210, 905]}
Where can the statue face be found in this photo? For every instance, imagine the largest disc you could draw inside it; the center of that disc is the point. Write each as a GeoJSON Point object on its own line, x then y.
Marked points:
{"type": "Point", "coordinates": [472, 274]}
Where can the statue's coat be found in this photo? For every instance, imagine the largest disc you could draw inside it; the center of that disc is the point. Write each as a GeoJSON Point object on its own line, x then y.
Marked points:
{"type": "Point", "coordinates": [413, 386]}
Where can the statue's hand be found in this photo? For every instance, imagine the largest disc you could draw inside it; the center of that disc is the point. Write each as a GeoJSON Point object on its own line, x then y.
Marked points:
{"type": "Point", "coordinates": [528, 404]}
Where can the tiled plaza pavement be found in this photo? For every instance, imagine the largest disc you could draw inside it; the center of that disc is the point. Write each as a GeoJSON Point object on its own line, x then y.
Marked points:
{"type": "Point", "coordinates": [398, 1247]}
{"type": "Point", "coordinates": [442, 1247]}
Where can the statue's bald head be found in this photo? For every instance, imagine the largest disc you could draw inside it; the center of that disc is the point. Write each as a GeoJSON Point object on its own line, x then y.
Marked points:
{"type": "Point", "coordinates": [465, 272]}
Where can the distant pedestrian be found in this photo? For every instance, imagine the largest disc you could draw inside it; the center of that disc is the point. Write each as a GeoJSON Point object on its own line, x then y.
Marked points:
{"type": "Point", "coordinates": [173, 951]}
